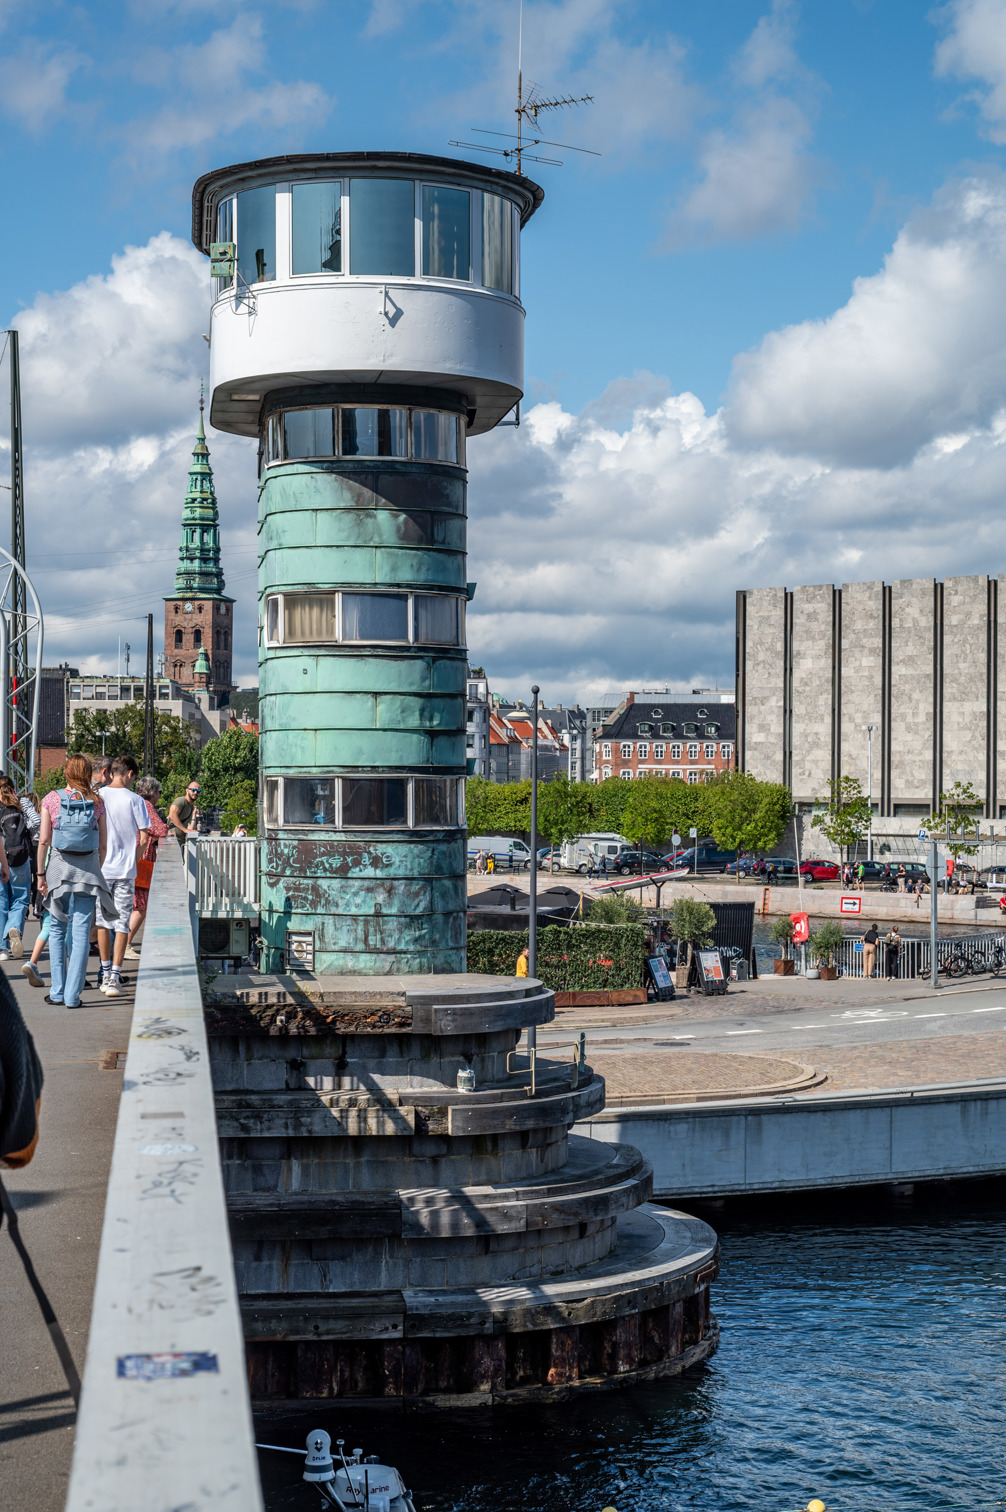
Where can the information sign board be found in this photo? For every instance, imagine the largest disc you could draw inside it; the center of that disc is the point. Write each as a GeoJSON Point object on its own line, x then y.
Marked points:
{"type": "Point", "coordinates": [712, 965]}
{"type": "Point", "coordinates": [848, 905]}
{"type": "Point", "coordinates": [659, 972]}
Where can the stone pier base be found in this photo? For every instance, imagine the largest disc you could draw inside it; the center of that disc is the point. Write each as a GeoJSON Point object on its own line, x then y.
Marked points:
{"type": "Point", "coordinates": [403, 1236]}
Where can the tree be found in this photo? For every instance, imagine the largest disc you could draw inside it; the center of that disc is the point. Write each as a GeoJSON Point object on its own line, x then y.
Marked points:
{"type": "Point", "coordinates": [693, 924]}
{"type": "Point", "coordinates": [230, 759]}
{"type": "Point", "coordinates": [960, 810]}
{"type": "Point", "coordinates": [781, 934]}
{"type": "Point", "coordinates": [241, 808]}
{"type": "Point", "coordinates": [646, 817]}
{"type": "Point", "coordinates": [847, 816]}
{"type": "Point", "coordinates": [746, 814]}
{"type": "Point", "coordinates": [122, 728]}
{"type": "Point", "coordinates": [563, 810]}
{"type": "Point", "coordinates": [614, 909]}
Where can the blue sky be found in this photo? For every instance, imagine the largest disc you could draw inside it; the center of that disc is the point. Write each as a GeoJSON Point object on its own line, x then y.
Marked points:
{"type": "Point", "coordinates": [758, 160]}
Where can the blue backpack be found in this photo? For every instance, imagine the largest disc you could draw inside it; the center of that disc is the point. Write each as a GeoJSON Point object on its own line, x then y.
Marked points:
{"type": "Point", "coordinates": [77, 829]}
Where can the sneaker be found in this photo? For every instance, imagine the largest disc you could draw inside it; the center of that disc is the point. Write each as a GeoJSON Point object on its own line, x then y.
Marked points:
{"type": "Point", "coordinates": [56, 1002]}
{"type": "Point", "coordinates": [111, 988]}
{"type": "Point", "coordinates": [28, 970]}
{"type": "Point", "coordinates": [14, 940]}
{"type": "Point", "coordinates": [132, 953]}
{"type": "Point", "coordinates": [4, 955]}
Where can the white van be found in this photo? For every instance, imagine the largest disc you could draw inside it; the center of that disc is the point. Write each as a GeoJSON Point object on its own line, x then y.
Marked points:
{"type": "Point", "coordinates": [576, 854]}
{"type": "Point", "coordinates": [501, 848]}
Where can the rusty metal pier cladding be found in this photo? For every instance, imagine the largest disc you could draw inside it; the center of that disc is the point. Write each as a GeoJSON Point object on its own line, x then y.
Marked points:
{"type": "Point", "coordinates": [397, 1238]}
{"type": "Point", "coordinates": [411, 1219]}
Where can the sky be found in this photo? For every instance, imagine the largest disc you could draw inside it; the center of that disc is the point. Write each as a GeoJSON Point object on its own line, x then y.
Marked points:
{"type": "Point", "coordinates": [766, 327]}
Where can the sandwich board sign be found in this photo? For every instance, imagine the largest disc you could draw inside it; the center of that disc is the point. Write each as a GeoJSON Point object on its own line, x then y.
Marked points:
{"type": "Point", "coordinates": [848, 905]}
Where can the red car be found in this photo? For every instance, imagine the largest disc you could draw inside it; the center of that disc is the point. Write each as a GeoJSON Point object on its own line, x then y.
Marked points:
{"type": "Point", "coordinates": [820, 871]}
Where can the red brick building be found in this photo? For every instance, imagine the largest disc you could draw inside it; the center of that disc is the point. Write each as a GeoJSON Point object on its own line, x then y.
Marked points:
{"type": "Point", "coordinates": [655, 738]}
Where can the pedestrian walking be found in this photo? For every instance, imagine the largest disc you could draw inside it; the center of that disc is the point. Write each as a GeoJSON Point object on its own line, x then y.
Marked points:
{"type": "Point", "coordinates": [948, 880]}
{"type": "Point", "coordinates": [71, 847]}
{"type": "Point", "coordinates": [892, 942]}
{"type": "Point", "coordinates": [149, 789]}
{"type": "Point", "coordinates": [183, 816]}
{"type": "Point", "coordinates": [101, 772]}
{"type": "Point", "coordinates": [591, 868]}
{"type": "Point", "coordinates": [490, 864]}
{"type": "Point", "coordinates": [604, 868]}
{"type": "Point", "coordinates": [870, 939]}
{"type": "Point", "coordinates": [16, 893]}
{"type": "Point", "coordinates": [128, 829]}
{"type": "Point", "coordinates": [523, 961]}
{"type": "Point", "coordinates": [510, 853]}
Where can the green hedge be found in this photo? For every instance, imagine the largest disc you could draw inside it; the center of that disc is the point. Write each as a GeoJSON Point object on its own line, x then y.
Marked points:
{"type": "Point", "coordinates": [586, 958]}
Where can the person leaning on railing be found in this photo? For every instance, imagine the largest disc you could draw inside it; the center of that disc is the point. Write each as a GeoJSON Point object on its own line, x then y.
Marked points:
{"type": "Point", "coordinates": [183, 816]}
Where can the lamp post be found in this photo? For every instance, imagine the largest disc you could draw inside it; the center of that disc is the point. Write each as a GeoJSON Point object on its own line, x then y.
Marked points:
{"type": "Point", "coordinates": [869, 728]}
{"type": "Point", "coordinates": [532, 922]}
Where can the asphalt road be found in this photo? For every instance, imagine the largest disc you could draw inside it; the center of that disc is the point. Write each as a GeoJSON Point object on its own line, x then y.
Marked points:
{"type": "Point", "coordinates": [976, 1011]}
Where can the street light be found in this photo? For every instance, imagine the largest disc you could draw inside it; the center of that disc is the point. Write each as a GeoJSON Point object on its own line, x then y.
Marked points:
{"type": "Point", "coordinates": [532, 923]}
{"type": "Point", "coordinates": [869, 787]}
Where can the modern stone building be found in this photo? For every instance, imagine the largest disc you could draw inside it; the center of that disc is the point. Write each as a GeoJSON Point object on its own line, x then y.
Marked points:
{"type": "Point", "coordinates": [920, 661]}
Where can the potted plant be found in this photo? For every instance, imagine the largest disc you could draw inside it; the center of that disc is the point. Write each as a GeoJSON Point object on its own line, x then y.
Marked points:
{"type": "Point", "coordinates": [782, 934]}
{"type": "Point", "coordinates": [692, 924]}
{"type": "Point", "coordinates": [825, 943]}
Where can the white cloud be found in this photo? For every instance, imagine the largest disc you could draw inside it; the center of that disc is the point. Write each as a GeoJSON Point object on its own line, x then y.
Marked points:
{"type": "Point", "coordinates": [220, 70]}
{"type": "Point", "coordinates": [975, 48]}
{"type": "Point", "coordinates": [756, 176]}
{"type": "Point", "coordinates": [110, 377]}
{"type": "Point", "coordinates": [607, 545]}
{"type": "Point", "coordinates": [918, 350]}
{"type": "Point", "coordinates": [33, 83]}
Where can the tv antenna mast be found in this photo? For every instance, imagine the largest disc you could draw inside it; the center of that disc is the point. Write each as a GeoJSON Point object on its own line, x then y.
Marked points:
{"type": "Point", "coordinates": [529, 106]}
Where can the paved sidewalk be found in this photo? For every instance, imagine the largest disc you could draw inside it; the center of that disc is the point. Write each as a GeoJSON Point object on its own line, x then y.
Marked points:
{"type": "Point", "coordinates": [60, 1199]}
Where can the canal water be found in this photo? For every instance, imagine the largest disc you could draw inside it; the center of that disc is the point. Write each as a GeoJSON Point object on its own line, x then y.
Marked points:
{"type": "Point", "coordinates": [862, 1361]}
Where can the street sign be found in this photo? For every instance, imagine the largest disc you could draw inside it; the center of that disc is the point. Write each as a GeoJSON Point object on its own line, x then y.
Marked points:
{"type": "Point", "coordinates": [922, 834]}
{"type": "Point", "coordinates": [693, 832]}
{"type": "Point", "coordinates": [850, 905]}
{"type": "Point", "coordinates": [675, 839]}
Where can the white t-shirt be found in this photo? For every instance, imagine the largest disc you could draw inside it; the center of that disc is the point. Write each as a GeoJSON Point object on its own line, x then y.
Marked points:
{"type": "Point", "coordinates": [125, 815]}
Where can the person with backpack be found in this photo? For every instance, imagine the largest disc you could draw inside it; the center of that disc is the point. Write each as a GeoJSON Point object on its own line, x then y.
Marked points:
{"type": "Point", "coordinates": [16, 894]}
{"type": "Point", "coordinates": [73, 835]}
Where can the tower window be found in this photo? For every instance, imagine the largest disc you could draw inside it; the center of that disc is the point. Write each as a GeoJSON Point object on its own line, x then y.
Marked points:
{"type": "Point", "coordinates": [227, 640]}
{"type": "Point", "coordinates": [317, 227]}
{"type": "Point", "coordinates": [446, 232]}
{"type": "Point", "coordinates": [256, 236]}
{"type": "Point", "coordinates": [436, 619]}
{"type": "Point", "coordinates": [384, 227]}
{"type": "Point", "coordinates": [197, 637]}
{"type": "Point", "coordinates": [178, 639]}
{"type": "Point", "coordinates": [364, 431]}
{"type": "Point", "coordinates": [365, 802]}
{"type": "Point", "coordinates": [497, 243]}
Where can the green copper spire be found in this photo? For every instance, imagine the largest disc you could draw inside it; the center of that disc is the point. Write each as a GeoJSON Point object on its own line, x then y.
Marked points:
{"type": "Point", "coordinates": [199, 573]}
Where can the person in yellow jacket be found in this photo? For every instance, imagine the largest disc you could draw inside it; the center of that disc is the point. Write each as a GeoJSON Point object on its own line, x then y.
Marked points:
{"type": "Point", "coordinates": [522, 962]}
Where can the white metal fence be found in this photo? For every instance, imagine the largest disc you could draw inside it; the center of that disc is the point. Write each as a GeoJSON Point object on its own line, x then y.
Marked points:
{"type": "Point", "coordinates": [913, 958]}
{"type": "Point", "coordinates": [223, 878]}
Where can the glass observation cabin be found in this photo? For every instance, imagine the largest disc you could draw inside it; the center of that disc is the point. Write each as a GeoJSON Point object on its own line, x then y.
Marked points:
{"type": "Point", "coordinates": [364, 269]}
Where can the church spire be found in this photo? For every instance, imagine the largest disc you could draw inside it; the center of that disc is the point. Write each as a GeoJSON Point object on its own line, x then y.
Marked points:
{"type": "Point", "coordinates": [199, 572]}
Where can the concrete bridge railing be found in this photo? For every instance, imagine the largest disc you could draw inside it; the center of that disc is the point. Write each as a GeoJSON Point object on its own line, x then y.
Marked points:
{"type": "Point", "coordinates": [165, 1419]}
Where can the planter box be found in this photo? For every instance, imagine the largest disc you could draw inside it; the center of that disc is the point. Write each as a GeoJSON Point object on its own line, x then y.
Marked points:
{"type": "Point", "coordinates": [828, 973]}
{"type": "Point", "coordinates": [618, 997]}
{"type": "Point", "coordinates": [784, 968]}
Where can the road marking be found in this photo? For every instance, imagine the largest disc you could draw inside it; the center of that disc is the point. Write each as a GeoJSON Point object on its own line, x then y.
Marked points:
{"type": "Point", "coordinates": [1000, 1009]}
{"type": "Point", "coordinates": [745, 1031]}
{"type": "Point", "coordinates": [929, 1015]}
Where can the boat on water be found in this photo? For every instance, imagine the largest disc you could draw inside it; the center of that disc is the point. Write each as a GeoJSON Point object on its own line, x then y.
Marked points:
{"type": "Point", "coordinates": [360, 1484]}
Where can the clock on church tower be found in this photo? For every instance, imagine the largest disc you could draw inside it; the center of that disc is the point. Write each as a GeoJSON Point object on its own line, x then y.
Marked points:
{"type": "Point", "coordinates": [199, 616]}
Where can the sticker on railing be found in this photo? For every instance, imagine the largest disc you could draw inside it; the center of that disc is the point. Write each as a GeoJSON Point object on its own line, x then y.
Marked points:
{"type": "Point", "coordinates": [165, 1367]}
{"type": "Point", "coordinates": [166, 1149]}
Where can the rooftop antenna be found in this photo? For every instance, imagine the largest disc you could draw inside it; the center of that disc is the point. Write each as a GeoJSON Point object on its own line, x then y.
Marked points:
{"type": "Point", "coordinates": [527, 111]}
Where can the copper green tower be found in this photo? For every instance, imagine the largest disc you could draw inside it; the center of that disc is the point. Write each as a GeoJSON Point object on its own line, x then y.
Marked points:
{"type": "Point", "coordinates": [199, 616]}
{"type": "Point", "coordinates": [367, 325]}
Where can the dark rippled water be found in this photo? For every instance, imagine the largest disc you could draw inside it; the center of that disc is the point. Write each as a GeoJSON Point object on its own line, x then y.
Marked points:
{"type": "Point", "coordinates": [862, 1361]}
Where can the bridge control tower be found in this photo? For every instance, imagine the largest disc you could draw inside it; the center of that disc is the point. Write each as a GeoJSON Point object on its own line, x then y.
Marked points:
{"type": "Point", "coordinates": [366, 325]}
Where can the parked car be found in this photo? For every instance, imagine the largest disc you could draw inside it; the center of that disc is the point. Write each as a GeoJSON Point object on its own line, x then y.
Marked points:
{"type": "Point", "coordinates": [873, 871]}
{"type": "Point", "coordinates": [632, 861]}
{"type": "Point", "coordinates": [915, 871]}
{"type": "Point", "coordinates": [710, 858]}
{"type": "Point", "coordinates": [820, 871]}
{"type": "Point", "coordinates": [545, 851]}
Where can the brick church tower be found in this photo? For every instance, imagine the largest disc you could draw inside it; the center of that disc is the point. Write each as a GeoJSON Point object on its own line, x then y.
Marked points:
{"type": "Point", "coordinates": [198, 616]}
